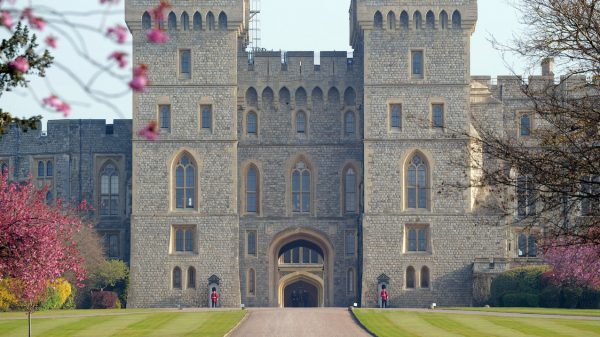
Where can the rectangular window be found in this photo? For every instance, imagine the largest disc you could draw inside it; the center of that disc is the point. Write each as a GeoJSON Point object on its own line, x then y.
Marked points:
{"type": "Point", "coordinates": [437, 115]}
{"type": "Point", "coordinates": [350, 243]}
{"type": "Point", "coordinates": [112, 245]}
{"type": "Point", "coordinates": [206, 116]}
{"type": "Point", "coordinates": [185, 63]}
{"type": "Point", "coordinates": [417, 238]}
{"type": "Point", "coordinates": [590, 204]}
{"type": "Point", "coordinates": [251, 243]}
{"type": "Point", "coordinates": [525, 125]}
{"type": "Point", "coordinates": [183, 239]}
{"type": "Point", "coordinates": [395, 112]}
{"type": "Point", "coordinates": [525, 196]}
{"type": "Point", "coordinates": [165, 116]}
{"type": "Point", "coordinates": [417, 64]}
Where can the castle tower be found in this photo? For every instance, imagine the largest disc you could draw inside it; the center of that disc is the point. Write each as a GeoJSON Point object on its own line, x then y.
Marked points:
{"type": "Point", "coordinates": [416, 233]}
{"type": "Point", "coordinates": [184, 226]}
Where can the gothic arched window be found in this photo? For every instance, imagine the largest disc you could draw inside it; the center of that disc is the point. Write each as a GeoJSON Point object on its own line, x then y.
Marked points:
{"type": "Point", "coordinates": [210, 19]}
{"type": "Point", "coordinates": [301, 188]}
{"type": "Point", "coordinates": [301, 122]}
{"type": "Point", "coordinates": [109, 190]}
{"type": "Point", "coordinates": [191, 278]}
{"type": "Point", "coordinates": [444, 19]}
{"type": "Point", "coordinates": [185, 183]}
{"type": "Point", "coordinates": [378, 20]}
{"type": "Point", "coordinates": [177, 278]}
{"type": "Point", "coordinates": [391, 18]}
{"type": "Point", "coordinates": [197, 21]}
{"type": "Point", "coordinates": [222, 21]}
{"type": "Point", "coordinates": [418, 19]}
{"type": "Point", "coordinates": [456, 21]}
{"type": "Point", "coordinates": [404, 20]}
{"type": "Point", "coordinates": [185, 21]}
{"type": "Point", "coordinates": [430, 20]}
{"type": "Point", "coordinates": [424, 277]}
{"type": "Point", "coordinates": [146, 21]}
{"type": "Point", "coordinates": [251, 282]}
{"type": "Point", "coordinates": [172, 21]}
{"type": "Point", "coordinates": [417, 183]}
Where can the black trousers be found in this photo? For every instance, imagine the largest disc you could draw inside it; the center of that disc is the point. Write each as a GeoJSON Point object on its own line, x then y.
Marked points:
{"type": "Point", "coordinates": [384, 303]}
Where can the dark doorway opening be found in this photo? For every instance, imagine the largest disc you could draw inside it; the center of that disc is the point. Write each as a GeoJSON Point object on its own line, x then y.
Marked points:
{"type": "Point", "coordinates": [300, 294]}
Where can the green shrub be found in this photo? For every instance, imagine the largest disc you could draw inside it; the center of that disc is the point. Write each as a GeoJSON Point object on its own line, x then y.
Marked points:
{"type": "Point", "coordinates": [520, 300]}
{"type": "Point", "coordinates": [569, 297]}
{"type": "Point", "coordinates": [518, 280]}
{"type": "Point", "coordinates": [550, 297]}
{"type": "Point", "coordinates": [590, 299]}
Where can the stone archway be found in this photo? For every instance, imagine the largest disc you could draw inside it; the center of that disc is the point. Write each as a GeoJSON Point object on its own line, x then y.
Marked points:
{"type": "Point", "coordinates": [317, 273]}
{"type": "Point", "coordinates": [300, 289]}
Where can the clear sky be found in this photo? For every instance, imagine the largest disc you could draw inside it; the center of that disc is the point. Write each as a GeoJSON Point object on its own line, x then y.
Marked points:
{"type": "Point", "coordinates": [285, 24]}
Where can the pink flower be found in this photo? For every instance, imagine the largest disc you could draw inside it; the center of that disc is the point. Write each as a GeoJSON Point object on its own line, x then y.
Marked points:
{"type": "Point", "coordinates": [150, 131]}
{"type": "Point", "coordinates": [20, 64]}
{"type": "Point", "coordinates": [119, 32]}
{"type": "Point", "coordinates": [6, 20]}
{"type": "Point", "coordinates": [34, 21]}
{"type": "Point", "coordinates": [140, 78]}
{"type": "Point", "coordinates": [119, 56]}
{"type": "Point", "coordinates": [51, 41]}
{"type": "Point", "coordinates": [158, 12]}
{"type": "Point", "coordinates": [57, 104]}
{"type": "Point", "coordinates": [157, 36]}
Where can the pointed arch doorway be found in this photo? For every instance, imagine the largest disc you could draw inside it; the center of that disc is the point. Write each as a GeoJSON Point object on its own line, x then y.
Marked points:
{"type": "Point", "coordinates": [300, 269]}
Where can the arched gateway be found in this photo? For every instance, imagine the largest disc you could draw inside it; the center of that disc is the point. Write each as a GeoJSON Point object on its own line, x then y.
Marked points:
{"type": "Point", "coordinates": [301, 269]}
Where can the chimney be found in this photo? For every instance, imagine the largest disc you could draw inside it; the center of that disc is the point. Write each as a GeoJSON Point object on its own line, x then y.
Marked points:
{"type": "Point", "coordinates": [548, 67]}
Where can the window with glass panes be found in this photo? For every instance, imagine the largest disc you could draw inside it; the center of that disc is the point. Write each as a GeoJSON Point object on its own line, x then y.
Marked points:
{"type": "Point", "coordinates": [45, 176]}
{"type": "Point", "coordinates": [417, 183]}
{"type": "Point", "coordinates": [300, 122]}
{"type": "Point", "coordinates": [525, 196]}
{"type": "Point", "coordinates": [396, 116]}
{"type": "Point", "coordinates": [177, 278]}
{"type": "Point", "coordinates": [185, 65]}
{"type": "Point", "coordinates": [349, 122]}
{"type": "Point", "coordinates": [184, 238]}
{"type": "Point", "coordinates": [112, 245]}
{"type": "Point", "coordinates": [109, 190]}
{"type": "Point", "coordinates": [350, 191]}
{"type": "Point", "coordinates": [527, 245]}
{"type": "Point", "coordinates": [525, 125]}
{"type": "Point", "coordinates": [590, 203]}
{"type": "Point", "coordinates": [417, 239]}
{"type": "Point", "coordinates": [251, 123]}
{"type": "Point", "coordinates": [185, 183]}
{"type": "Point", "coordinates": [165, 116]}
{"type": "Point", "coordinates": [301, 188]}
{"type": "Point", "coordinates": [251, 243]}
{"type": "Point", "coordinates": [300, 255]}
{"type": "Point", "coordinates": [206, 116]}
{"type": "Point", "coordinates": [437, 115]}
{"type": "Point", "coordinates": [252, 190]}
{"type": "Point", "coordinates": [350, 242]}
{"type": "Point", "coordinates": [417, 63]}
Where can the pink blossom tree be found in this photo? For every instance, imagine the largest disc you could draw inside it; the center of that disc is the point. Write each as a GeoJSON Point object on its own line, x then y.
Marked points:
{"type": "Point", "coordinates": [573, 262]}
{"type": "Point", "coordinates": [22, 58]}
{"type": "Point", "coordinates": [37, 243]}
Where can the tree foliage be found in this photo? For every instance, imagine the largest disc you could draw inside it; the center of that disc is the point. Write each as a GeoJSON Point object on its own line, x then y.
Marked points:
{"type": "Point", "coordinates": [561, 157]}
{"type": "Point", "coordinates": [36, 241]}
{"type": "Point", "coordinates": [108, 273]}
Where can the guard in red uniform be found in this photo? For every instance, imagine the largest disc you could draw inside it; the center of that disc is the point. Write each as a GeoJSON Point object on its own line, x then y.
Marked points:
{"type": "Point", "coordinates": [214, 297]}
{"type": "Point", "coordinates": [384, 296]}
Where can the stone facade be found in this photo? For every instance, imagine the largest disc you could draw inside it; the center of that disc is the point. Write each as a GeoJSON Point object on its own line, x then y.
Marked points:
{"type": "Point", "coordinates": [78, 152]}
{"type": "Point", "coordinates": [303, 177]}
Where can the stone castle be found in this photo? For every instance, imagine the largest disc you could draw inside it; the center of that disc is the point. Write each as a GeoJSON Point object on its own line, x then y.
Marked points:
{"type": "Point", "coordinates": [283, 182]}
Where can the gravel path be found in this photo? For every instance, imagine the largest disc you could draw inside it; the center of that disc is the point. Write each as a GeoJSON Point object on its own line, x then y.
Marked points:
{"type": "Point", "coordinates": [296, 322]}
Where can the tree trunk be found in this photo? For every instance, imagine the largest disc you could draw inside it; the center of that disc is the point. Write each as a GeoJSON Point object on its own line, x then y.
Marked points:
{"type": "Point", "coordinates": [29, 321]}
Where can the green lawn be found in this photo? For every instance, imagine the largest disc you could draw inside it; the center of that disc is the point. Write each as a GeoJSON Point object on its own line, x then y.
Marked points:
{"type": "Point", "coordinates": [412, 323]}
{"type": "Point", "coordinates": [543, 311]}
{"type": "Point", "coordinates": [127, 323]}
